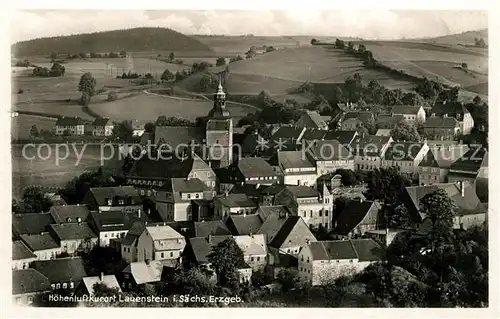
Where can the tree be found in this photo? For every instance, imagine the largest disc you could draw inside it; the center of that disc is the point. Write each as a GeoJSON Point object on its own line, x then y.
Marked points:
{"type": "Point", "coordinates": [123, 53]}
{"type": "Point", "coordinates": [405, 131]}
{"type": "Point", "coordinates": [349, 177]}
{"type": "Point", "coordinates": [206, 82]}
{"type": "Point", "coordinates": [339, 204]}
{"type": "Point", "coordinates": [387, 185]}
{"type": "Point", "coordinates": [361, 49]}
{"type": "Point", "coordinates": [353, 87]}
{"type": "Point", "coordinates": [270, 49]}
{"type": "Point", "coordinates": [123, 131]}
{"type": "Point", "coordinates": [34, 201]}
{"type": "Point", "coordinates": [339, 44]}
{"type": "Point", "coordinates": [251, 53]}
{"type": "Point", "coordinates": [480, 43]}
{"type": "Point", "coordinates": [167, 75]}
{"type": "Point", "coordinates": [288, 278]}
{"type": "Point", "coordinates": [220, 61]}
{"type": "Point", "coordinates": [350, 47]}
{"type": "Point", "coordinates": [74, 191]}
{"type": "Point", "coordinates": [225, 258]}
{"type": "Point", "coordinates": [464, 65]}
{"type": "Point", "coordinates": [235, 59]}
{"type": "Point", "coordinates": [87, 87]}
{"type": "Point", "coordinates": [53, 55]}
{"type": "Point", "coordinates": [438, 207]}
{"type": "Point", "coordinates": [171, 56]}
{"type": "Point", "coordinates": [399, 217]}
{"type": "Point", "coordinates": [112, 96]}
{"type": "Point", "coordinates": [163, 120]}
{"type": "Point", "coordinates": [314, 41]}
{"type": "Point", "coordinates": [194, 281]}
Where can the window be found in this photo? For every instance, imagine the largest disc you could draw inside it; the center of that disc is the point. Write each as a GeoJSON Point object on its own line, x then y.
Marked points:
{"type": "Point", "coordinates": [124, 249]}
{"type": "Point", "coordinates": [288, 250]}
{"type": "Point", "coordinates": [302, 258]}
{"type": "Point", "coordinates": [258, 258]}
{"type": "Point", "coordinates": [105, 235]}
{"type": "Point", "coordinates": [197, 195]}
{"type": "Point", "coordinates": [171, 254]}
{"type": "Point", "coordinates": [58, 286]}
{"type": "Point", "coordinates": [53, 286]}
{"type": "Point", "coordinates": [350, 261]}
{"type": "Point", "coordinates": [304, 213]}
{"type": "Point", "coordinates": [251, 258]}
{"type": "Point", "coordinates": [30, 299]}
{"type": "Point", "coordinates": [188, 195]}
{"type": "Point", "coordinates": [307, 259]}
{"type": "Point", "coordinates": [310, 213]}
{"type": "Point", "coordinates": [65, 285]}
{"type": "Point", "coordinates": [162, 255]}
{"type": "Point", "coordinates": [320, 213]}
{"type": "Point", "coordinates": [326, 225]}
{"type": "Point", "coordinates": [326, 212]}
{"type": "Point", "coordinates": [71, 284]}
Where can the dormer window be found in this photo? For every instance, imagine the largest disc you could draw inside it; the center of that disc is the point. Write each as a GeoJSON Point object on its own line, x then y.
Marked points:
{"type": "Point", "coordinates": [110, 202]}
{"type": "Point", "coordinates": [121, 202]}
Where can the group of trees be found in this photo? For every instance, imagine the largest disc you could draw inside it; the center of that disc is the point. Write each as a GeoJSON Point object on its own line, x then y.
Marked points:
{"type": "Point", "coordinates": [405, 131]}
{"type": "Point", "coordinates": [92, 55]}
{"type": "Point", "coordinates": [32, 201]}
{"type": "Point", "coordinates": [87, 86]}
{"type": "Point", "coordinates": [480, 43]}
{"type": "Point", "coordinates": [56, 70]}
{"type": "Point", "coordinates": [479, 112]}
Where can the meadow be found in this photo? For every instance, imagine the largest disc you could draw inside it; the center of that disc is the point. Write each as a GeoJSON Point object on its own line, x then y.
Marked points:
{"type": "Point", "coordinates": [21, 125]}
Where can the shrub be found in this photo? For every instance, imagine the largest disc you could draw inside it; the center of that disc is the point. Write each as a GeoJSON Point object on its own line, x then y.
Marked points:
{"type": "Point", "coordinates": [112, 96]}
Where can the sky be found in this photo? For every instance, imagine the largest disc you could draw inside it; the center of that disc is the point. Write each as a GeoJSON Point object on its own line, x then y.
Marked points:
{"type": "Point", "coordinates": [384, 24]}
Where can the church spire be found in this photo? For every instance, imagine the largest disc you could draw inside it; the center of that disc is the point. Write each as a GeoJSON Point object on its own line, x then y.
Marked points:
{"type": "Point", "coordinates": [219, 110]}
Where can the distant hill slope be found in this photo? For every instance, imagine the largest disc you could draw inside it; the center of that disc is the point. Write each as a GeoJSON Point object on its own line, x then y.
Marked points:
{"type": "Point", "coordinates": [130, 40]}
{"type": "Point", "coordinates": [461, 38]}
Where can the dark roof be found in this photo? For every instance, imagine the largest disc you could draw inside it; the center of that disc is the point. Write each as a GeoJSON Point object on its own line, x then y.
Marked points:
{"type": "Point", "coordinates": [302, 191]}
{"type": "Point", "coordinates": [174, 166]}
{"type": "Point", "coordinates": [351, 216]}
{"type": "Point", "coordinates": [313, 134]}
{"type": "Point", "coordinates": [441, 122]}
{"type": "Point", "coordinates": [31, 223]}
{"type": "Point", "coordinates": [293, 159]}
{"type": "Point", "coordinates": [274, 217]}
{"type": "Point", "coordinates": [362, 116]}
{"type": "Point", "coordinates": [248, 189]}
{"type": "Point", "coordinates": [39, 242]}
{"type": "Point", "coordinates": [286, 229]}
{"type": "Point", "coordinates": [20, 251]}
{"type": "Point", "coordinates": [311, 119]}
{"type": "Point", "coordinates": [101, 122]}
{"type": "Point", "coordinates": [444, 156]}
{"type": "Point", "coordinates": [69, 213]}
{"type": "Point", "coordinates": [405, 109]}
{"type": "Point", "coordinates": [102, 193]}
{"type": "Point", "coordinates": [183, 185]}
{"type": "Point", "coordinates": [344, 137]}
{"type": "Point", "coordinates": [69, 121]}
{"type": "Point", "coordinates": [266, 211]}
{"type": "Point", "coordinates": [255, 167]}
{"type": "Point", "coordinates": [245, 224]}
{"type": "Point", "coordinates": [368, 250]}
{"type": "Point", "coordinates": [111, 220]}
{"type": "Point", "coordinates": [254, 142]}
{"type": "Point", "coordinates": [336, 249]}
{"type": "Point", "coordinates": [61, 270]}
{"type": "Point", "coordinates": [72, 231]}
{"type": "Point", "coordinates": [403, 151]}
{"type": "Point", "coordinates": [224, 175]}
{"type": "Point", "coordinates": [215, 227]}
{"type": "Point", "coordinates": [287, 132]}
{"type": "Point", "coordinates": [172, 136]}
{"type": "Point", "coordinates": [27, 281]}
{"type": "Point", "coordinates": [202, 246]}
{"type": "Point", "coordinates": [236, 200]}
{"type": "Point", "coordinates": [388, 121]}
{"type": "Point", "coordinates": [452, 109]}
{"type": "Point", "coordinates": [272, 189]}
{"type": "Point", "coordinates": [329, 150]}
{"type": "Point", "coordinates": [370, 145]}
{"type": "Point", "coordinates": [471, 161]}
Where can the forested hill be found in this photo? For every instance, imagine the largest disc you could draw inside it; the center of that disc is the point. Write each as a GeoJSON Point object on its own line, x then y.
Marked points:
{"type": "Point", "coordinates": [130, 40]}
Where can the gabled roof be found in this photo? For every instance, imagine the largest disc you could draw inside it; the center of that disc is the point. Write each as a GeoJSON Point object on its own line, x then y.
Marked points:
{"type": "Point", "coordinates": [388, 121]}
{"type": "Point", "coordinates": [352, 215]}
{"type": "Point", "coordinates": [251, 190]}
{"type": "Point", "coordinates": [274, 217]}
{"type": "Point", "coordinates": [31, 223]}
{"type": "Point", "coordinates": [301, 235]}
{"type": "Point", "coordinates": [28, 281]}
{"type": "Point", "coordinates": [111, 220]}
{"type": "Point", "coordinates": [160, 232]}
{"type": "Point", "coordinates": [314, 134]}
{"type": "Point", "coordinates": [202, 246]}
{"type": "Point", "coordinates": [288, 132]}
{"type": "Point", "coordinates": [294, 159]}
{"type": "Point", "coordinates": [302, 191]}
{"type": "Point", "coordinates": [370, 145]}
{"type": "Point", "coordinates": [144, 273]}
{"type": "Point", "coordinates": [69, 213]}
{"type": "Point", "coordinates": [332, 250]}
{"type": "Point", "coordinates": [71, 231]}
{"type": "Point", "coordinates": [383, 132]}
{"type": "Point", "coordinates": [61, 270]}
{"type": "Point", "coordinates": [101, 122]}
{"type": "Point", "coordinates": [182, 185]}
{"type": "Point", "coordinates": [471, 161]}
{"type": "Point", "coordinates": [444, 156]}
{"type": "Point", "coordinates": [329, 150]}
{"type": "Point", "coordinates": [109, 280]}
{"type": "Point", "coordinates": [272, 189]}
{"type": "Point", "coordinates": [441, 122]}
{"type": "Point", "coordinates": [252, 245]}
{"type": "Point", "coordinates": [245, 224]}
{"type": "Point", "coordinates": [405, 109]}
{"type": "Point", "coordinates": [344, 137]}
{"type": "Point", "coordinates": [215, 227]}
{"type": "Point", "coordinates": [69, 121]}
{"type": "Point", "coordinates": [253, 142]}
{"type": "Point", "coordinates": [39, 242]}
{"type": "Point", "coordinates": [403, 151]}
{"type": "Point", "coordinates": [169, 167]}
{"type": "Point", "coordinates": [275, 210]}
{"type": "Point", "coordinates": [311, 119]}
{"type": "Point", "coordinates": [362, 116]}
{"type": "Point", "coordinates": [102, 193]}
{"type": "Point", "coordinates": [236, 200]}
{"type": "Point", "coordinates": [21, 251]}
{"type": "Point", "coordinates": [255, 167]}
{"type": "Point", "coordinates": [452, 109]}
{"type": "Point", "coordinates": [368, 250]}
{"type": "Point", "coordinates": [176, 135]}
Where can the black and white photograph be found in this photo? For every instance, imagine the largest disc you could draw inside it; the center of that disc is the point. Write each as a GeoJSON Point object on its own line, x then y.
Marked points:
{"type": "Point", "coordinates": [249, 159]}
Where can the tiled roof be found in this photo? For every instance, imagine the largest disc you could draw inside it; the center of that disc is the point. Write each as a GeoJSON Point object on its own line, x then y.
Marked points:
{"type": "Point", "coordinates": [144, 273]}
{"type": "Point", "coordinates": [441, 122]}
{"type": "Point", "coordinates": [383, 132]}
{"type": "Point", "coordinates": [277, 210]}
{"type": "Point", "coordinates": [102, 193]}
{"type": "Point", "coordinates": [69, 121]}
{"type": "Point", "coordinates": [236, 200]}
{"type": "Point", "coordinates": [160, 232]}
{"type": "Point", "coordinates": [109, 280]}
{"type": "Point", "coordinates": [244, 224]}
{"type": "Point", "coordinates": [388, 121]}
{"type": "Point", "coordinates": [111, 220]}
{"type": "Point", "coordinates": [101, 122]}
{"type": "Point", "coordinates": [272, 189]}
{"type": "Point", "coordinates": [252, 245]}
{"type": "Point", "coordinates": [39, 242]}
{"type": "Point", "coordinates": [61, 270]}
{"type": "Point", "coordinates": [293, 159]}
{"type": "Point", "coordinates": [27, 281]}
{"type": "Point", "coordinates": [288, 132]}
{"type": "Point", "coordinates": [313, 134]}
{"type": "Point", "coordinates": [329, 150]}
{"type": "Point", "coordinates": [344, 137]}
{"type": "Point", "coordinates": [250, 190]}
{"type": "Point", "coordinates": [451, 109]}
{"type": "Point", "coordinates": [72, 231]}
{"type": "Point", "coordinates": [311, 119]}
{"type": "Point", "coordinates": [405, 109]}
{"type": "Point", "coordinates": [202, 246]}
{"type": "Point", "coordinates": [255, 167]}
{"type": "Point", "coordinates": [444, 156]}
{"type": "Point", "coordinates": [302, 191]}
{"type": "Point", "coordinates": [370, 145]}
{"type": "Point", "coordinates": [31, 223]}
{"type": "Point", "coordinates": [176, 135]}
{"type": "Point", "coordinates": [352, 215]}
{"type": "Point", "coordinates": [69, 213]}
{"type": "Point", "coordinates": [332, 250]}
{"type": "Point", "coordinates": [272, 222]}
{"type": "Point", "coordinates": [298, 238]}
{"type": "Point", "coordinates": [174, 166]}
{"type": "Point", "coordinates": [362, 116]}
{"type": "Point", "coordinates": [216, 227]}
{"type": "Point", "coordinates": [403, 151]}
{"type": "Point", "coordinates": [472, 160]}
{"type": "Point", "coordinates": [20, 251]}
{"type": "Point", "coordinates": [368, 250]}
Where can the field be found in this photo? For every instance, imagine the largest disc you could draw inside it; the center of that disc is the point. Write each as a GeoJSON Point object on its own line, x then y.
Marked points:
{"type": "Point", "coordinates": [22, 124]}
{"type": "Point", "coordinates": [147, 107]}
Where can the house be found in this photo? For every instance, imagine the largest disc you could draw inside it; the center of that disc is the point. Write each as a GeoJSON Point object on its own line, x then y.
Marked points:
{"type": "Point", "coordinates": [109, 225]}
{"type": "Point", "coordinates": [291, 236]}
{"type": "Point", "coordinates": [70, 126]}
{"type": "Point", "coordinates": [254, 144]}
{"type": "Point", "coordinates": [69, 213]}
{"type": "Point", "coordinates": [356, 219]}
{"type": "Point", "coordinates": [226, 205]}
{"type": "Point", "coordinates": [214, 228]}
{"type": "Point", "coordinates": [243, 224]}
{"type": "Point", "coordinates": [311, 135]}
{"type": "Point", "coordinates": [456, 110]}
{"type": "Point", "coordinates": [322, 262]}
{"type": "Point", "coordinates": [30, 224]}
{"type": "Point", "coordinates": [344, 137]}
{"type": "Point", "coordinates": [64, 273]}
{"type": "Point", "coordinates": [406, 156]}
{"type": "Point", "coordinates": [471, 166]}
{"type": "Point", "coordinates": [328, 156]}
{"type": "Point", "coordinates": [198, 249]}
{"type": "Point", "coordinates": [160, 242]}
{"type": "Point", "coordinates": [43, 245]}
{"type": "Point", "coordinates": [369, 151]}
{"type": "Point", "coordinates": [254, 170]}
{"type": "Point", "coordinates": [102, 127]}
{"type": "Point", "coordinates": [444, 128]}
{"type": "Point", "coordinates": [27, 284]}
{"type": "Point", "coordinates": [87, 288]}
{"type": "Point", "coordinates": [138, 128]}
{"type": "Point", "coordinates": [116, 198]}
{"type": "Point", "coordinates": [353, 120]}
{"type": "Point", "coordinates": [436, 163]}
{"type": "Point", "coordinates": [279, 262]}
{"type": "Point", "coordinates": [312, 119]}
{"type": "Point", "coordinates": [74, 238]}
{"type": "Point", "coordinates": [268, 194]}
{"type": "Point", "coordinates": [463, 195]}
{"type": "Point", "coordinates": [384, 236]}
{"type": "Point", "coordinates": [254, 249]}
{"type": "Point", "coordinates": [288, 135]}
{"type": "Point", "coordinates": [314, 207]}
{"type": "Point", "coordinates": [142, 272]}
{"type": "Point", "coordinates": [252, 191]}
{"type": "Point", "coordinates": [170, 138]}
{"type": "Point", "coordinates": [21, 255]}
{"type": "Point", "coordinates": [179, 194]}
{"type": "Point", "coordinates": [296, 168]}
{"type": "Point", "coordinates": [409, 112]}
{"type": "Point", "coordinates": [388, 121]}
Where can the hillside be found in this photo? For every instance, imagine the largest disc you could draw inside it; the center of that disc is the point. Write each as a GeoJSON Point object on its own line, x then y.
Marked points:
{"type": "Point", "coordinates": [131, 40]}
{"type": "Point", "coordinates": [461, 38]}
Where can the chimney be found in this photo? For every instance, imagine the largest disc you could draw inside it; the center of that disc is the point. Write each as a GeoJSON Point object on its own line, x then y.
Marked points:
{"type": "Point", "coordinates": [225, 194]}
{"type": "Point", "coordinates": [139, 213]}
{"type": "Point", "coordinates": [148, 262]}
{"type": "Point", "coordinates": [308, 241]}
{"type": "Point", "coordinates": [462, 189]}
{"type": "Point", "coordinates": [102, 276]}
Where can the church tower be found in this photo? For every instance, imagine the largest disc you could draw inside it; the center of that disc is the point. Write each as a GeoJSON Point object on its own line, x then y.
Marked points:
{"type": "Point", "coordinates": [219, 132]}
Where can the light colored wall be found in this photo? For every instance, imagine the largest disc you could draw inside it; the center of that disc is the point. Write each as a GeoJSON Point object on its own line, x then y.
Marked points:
{"type": "Point", "coordinates": [105, 236]}
{"type": "Point", "coordinates": [302, 179]}
{"type": "Point", "coordinates": [129, 253]}
{"type": "Point", "coordinates": [257, 262]}
{"type": "Point", "coordinates": [47, 254]}
{"type": "Point", "coordinates": [325, 167]}
{"type": "Point", "coordinates": [469, 221]}
{"type": "Point", "coordinates": [306, 209]}
{"type": "Point", "coordinates": [22, 263]}
{"type": "Point", "coordinates": [72, 246]}
{"type": "Point", "coordinates": [145, 247]}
